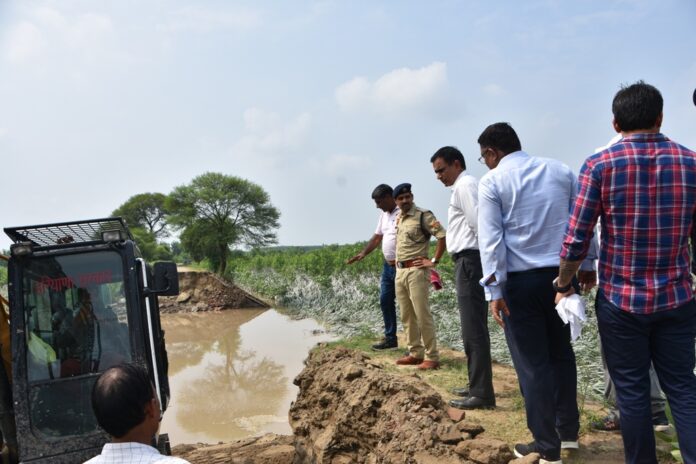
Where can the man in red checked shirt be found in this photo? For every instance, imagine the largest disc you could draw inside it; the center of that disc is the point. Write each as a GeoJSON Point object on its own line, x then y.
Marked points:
{"type": "Point", "coordinates": [644, 190]}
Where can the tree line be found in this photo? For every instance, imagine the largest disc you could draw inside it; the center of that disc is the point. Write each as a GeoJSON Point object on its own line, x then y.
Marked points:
{"type": "Point", "coordinates": [212, 214]}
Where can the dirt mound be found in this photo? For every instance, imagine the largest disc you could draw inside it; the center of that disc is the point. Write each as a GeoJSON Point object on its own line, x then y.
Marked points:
{"type": "Point", "coordinates": [268, 449]}
{"type": "Point", "coordinates": [349, 410]}
{"type": "Point", "coordinates": [205, 291]}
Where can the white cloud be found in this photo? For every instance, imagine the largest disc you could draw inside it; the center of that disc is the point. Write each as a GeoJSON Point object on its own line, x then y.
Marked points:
{"type": "Point", "coordinates": [405, 89]}
{"type": "Point", "coordinates": [339, 164]}
{"type": "Point", "coordinates": [24, 42]}
{"type": "Point", "coordinates": [46, 32]}
{"type": "Point", "coordinates": [268, 137]}
{"type": "Point", "coordinates": [3, 132]}
{"type": "Point", "coordinates": [493, 90]}
{"type": "Point", "coordinates": [198, 19]}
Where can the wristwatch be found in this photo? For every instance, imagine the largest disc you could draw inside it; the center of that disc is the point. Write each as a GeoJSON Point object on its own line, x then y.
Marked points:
{"type": "Point", "coordinates": [563, 289]}
{"type": "Point", "coordinates": [434, 260]}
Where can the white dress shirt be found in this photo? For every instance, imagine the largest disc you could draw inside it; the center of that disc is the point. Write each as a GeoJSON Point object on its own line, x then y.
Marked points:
{"type": "Point", "coordinates": [524, 205]}
{"type": "Point", "coordinates": [462, 221]}
{"type": "Point", "coordinates": [386, 227]}
{"type": "Point", "coordinates": [132, 453]}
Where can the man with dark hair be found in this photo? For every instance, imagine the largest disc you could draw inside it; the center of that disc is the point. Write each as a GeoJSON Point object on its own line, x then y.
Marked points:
{"type": "Point", "coordinates": [414, 228]}
{"type": "Point", "coordinates": [643, 188]}
{"type": "Point", "coordinates": [386, 235]}
{"type": "Point", "coordinates": [126, 407]}
{"type": "Point", "coordinates": [524, 203]}
{"type": "Point", "coordinates": [462, 245]}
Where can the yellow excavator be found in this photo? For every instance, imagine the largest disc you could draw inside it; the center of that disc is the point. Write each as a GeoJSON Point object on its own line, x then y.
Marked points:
{"type": "Point", "coordinates": [80, 299]}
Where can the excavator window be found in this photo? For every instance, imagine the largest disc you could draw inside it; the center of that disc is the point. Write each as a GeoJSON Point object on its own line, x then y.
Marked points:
{"type": "Point", "coordinates": [76, 326]}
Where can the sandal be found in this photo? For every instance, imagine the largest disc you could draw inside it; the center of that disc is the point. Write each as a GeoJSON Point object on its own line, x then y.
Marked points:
{"type": "Point", "coordinates": [609, 423]}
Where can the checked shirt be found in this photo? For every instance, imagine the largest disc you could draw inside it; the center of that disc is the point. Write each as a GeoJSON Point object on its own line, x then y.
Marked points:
{"type": "Point", "coordinates": [644, 190]}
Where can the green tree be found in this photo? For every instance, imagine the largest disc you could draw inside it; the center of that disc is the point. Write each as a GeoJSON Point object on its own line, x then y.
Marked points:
{"type": "Point", "coordinates": [146, 210]}
{"type": "Point", "coordinates": [217, 212]}
{"type": "Point", "coordinates": [148, 246]}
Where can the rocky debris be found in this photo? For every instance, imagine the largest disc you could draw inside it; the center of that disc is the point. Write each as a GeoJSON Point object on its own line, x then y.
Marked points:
{"type": "Point", "coordinates": [351, 410]}
{"type": "Point", "coordinates": [205, 291]}
{"type": "Point", "coordinates": [268, 449]}
{"type": "Point", "coordinates": [531, 458]}
{"type": "Point", "coordinates": [485, 451]}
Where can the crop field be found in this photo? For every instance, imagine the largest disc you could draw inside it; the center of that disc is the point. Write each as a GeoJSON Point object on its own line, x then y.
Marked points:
{"type": "Point", "coordinates": [316, 283]}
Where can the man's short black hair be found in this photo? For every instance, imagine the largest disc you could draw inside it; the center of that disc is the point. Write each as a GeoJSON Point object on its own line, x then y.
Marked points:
{"type": "Point", "coordinates": [381, 191]}
{"type": "Point", "coordinates": [500, 136]}
{"type": "Point", "coordinates": [637, 107]}
{"type": "Point", "coordinates": [449, 154]}
{"type": "Point", "coordinates": [119, 397]}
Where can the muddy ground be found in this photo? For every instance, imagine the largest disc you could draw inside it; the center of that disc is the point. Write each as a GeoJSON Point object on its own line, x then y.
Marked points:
{"type": "Point", "coordinates": [359, 408]}
{"type": "Point", "coordinates": [352, 408]}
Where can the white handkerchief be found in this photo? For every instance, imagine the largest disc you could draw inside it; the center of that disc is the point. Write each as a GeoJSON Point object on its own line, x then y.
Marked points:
{"type": "Point", "coordinates": [571, 310]}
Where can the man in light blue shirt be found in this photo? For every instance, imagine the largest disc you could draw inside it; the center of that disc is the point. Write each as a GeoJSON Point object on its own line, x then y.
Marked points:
{"type": "Point", "coordinates": [524, 203]}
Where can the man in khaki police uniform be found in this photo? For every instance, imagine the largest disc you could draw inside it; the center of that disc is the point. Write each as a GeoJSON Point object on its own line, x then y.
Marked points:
{"type": "Point", "coordinates": [413, 230]}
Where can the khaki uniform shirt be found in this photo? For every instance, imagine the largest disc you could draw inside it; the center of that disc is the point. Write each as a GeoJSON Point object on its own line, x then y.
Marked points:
{"type": "Point", "coordinates": [411, 240]}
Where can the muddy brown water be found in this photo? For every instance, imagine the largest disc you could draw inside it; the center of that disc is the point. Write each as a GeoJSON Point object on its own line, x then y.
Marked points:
{"type": "Point", "coordinates": [231, 372]}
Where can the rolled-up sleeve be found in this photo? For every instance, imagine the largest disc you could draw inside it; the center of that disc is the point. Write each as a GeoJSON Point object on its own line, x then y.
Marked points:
{"type": "Point", "coordinates": [491, 239]}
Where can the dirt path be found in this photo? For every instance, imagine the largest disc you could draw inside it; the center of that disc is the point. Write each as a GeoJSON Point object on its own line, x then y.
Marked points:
{"type": "Point", "coordinates": [508, 421]}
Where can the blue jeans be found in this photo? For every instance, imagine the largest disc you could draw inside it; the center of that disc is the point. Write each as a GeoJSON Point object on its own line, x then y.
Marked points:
{"type": "Point", "coordinates": [630, 341]}
{"type": "Point", "coordinates": [387, 301]}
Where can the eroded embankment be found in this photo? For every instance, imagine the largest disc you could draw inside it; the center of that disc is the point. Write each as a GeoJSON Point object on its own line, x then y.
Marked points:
{"type": "Point", "coordinates": [205, 291]}
{"type": "Point", "coordinates": [349, 410]}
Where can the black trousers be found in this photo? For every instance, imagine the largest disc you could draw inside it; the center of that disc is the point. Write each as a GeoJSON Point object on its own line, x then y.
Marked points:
{"type": "Point", "coordinates": [473, 315]}
{"type": "Point", "coordinates": [543, 357]}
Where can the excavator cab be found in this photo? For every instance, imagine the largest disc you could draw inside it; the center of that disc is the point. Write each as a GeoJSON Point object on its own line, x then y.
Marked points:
{"type": "Point", "coordinates": [81, 300]}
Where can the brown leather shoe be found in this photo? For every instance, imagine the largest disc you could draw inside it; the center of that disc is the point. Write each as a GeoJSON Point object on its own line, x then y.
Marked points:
{"type": "Point", "coordinates": [428, 364]}
{"type": "Point", "coordinates": [408, 360]}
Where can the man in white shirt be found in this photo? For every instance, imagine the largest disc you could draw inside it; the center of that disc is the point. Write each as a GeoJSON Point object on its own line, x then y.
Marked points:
{"type": "Point", "coordinates": [462, 245]}
{"type": "Point", "coordinates": [386, 235]}
{"type": "Point", "coordinates": [126, 407]}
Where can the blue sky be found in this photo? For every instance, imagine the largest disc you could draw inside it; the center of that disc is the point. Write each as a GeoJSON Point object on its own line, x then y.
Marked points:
{"type": "Point", "coordinates": [318, 102]}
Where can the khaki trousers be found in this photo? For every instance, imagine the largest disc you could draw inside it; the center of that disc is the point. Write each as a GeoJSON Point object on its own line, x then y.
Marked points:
{"type": "Point", "coordinates": [412, 287]}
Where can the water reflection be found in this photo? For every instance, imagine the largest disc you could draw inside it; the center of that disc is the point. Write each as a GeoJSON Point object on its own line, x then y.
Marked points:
{"type": "Point", "coordinates": [231, 372]}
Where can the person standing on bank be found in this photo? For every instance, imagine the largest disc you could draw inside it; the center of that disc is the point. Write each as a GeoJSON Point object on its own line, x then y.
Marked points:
{"type": "Point", "coordinates": [386, 235]}
{"type": "Point", "coordinates": [413, 230]}
{"type": "Point", "coordinates": [524, 204]}
{"type": "Point", "coordinates": [462, 245]}
{"type": "Point", "coordinates": [643, 188]}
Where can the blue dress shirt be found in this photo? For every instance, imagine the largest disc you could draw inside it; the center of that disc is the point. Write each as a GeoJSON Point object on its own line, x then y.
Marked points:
{"type": "Point", "coordinates": [524, 205]}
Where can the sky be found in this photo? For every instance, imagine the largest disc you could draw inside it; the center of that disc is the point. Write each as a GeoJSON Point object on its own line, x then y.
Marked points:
{"type": "Point", "coordinates": [317, 102]}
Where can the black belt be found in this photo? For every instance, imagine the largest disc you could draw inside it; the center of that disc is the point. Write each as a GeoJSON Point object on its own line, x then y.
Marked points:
{"type": "Point", "coordinates": [467, 252]}
{"type": "Point", "coordinates": [536, 270]}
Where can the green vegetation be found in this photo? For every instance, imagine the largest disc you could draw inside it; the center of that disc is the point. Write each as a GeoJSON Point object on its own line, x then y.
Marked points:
{"type": "Point", "coordinates": [317, 283]}
{"type": "Point", "coordinates": [146, 211]}
{"type": "Point", "coordinates": [214, 212]}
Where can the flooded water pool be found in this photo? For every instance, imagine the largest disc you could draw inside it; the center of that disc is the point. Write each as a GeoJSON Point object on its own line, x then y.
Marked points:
{"type": "Point", "coordinates": [231, 372]}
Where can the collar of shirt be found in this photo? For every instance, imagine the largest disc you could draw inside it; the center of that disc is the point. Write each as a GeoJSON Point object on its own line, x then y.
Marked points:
{"type": "Point", "coordinates": [645, 137]}
{"type": "Point", "coordinates": [460, 177]}
{"type": "Point", "coordinates": [511, 158]}
{"type": "Point", "coordinates": [410, 212]}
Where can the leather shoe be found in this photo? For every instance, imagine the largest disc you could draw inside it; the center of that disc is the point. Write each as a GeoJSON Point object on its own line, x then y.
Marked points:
{"type": "Point", "coordinates": [472, 402]}
{"type": "Point", "coordinates": [461, 391]}
{"type": "Point", "coordinates": [408, 360]}
{"type": "Point", "coordinates": [385, 345]}
{"type": "Point", "coordinates": [429, 364]}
